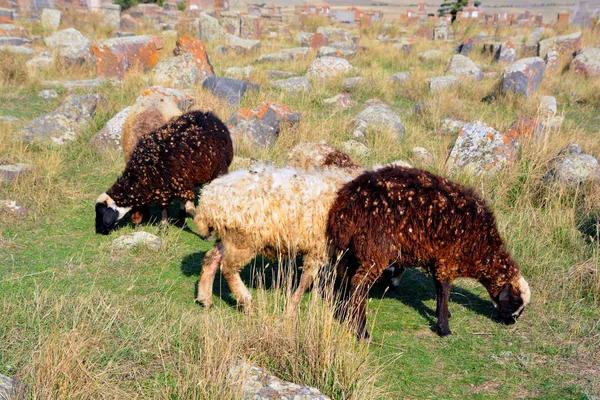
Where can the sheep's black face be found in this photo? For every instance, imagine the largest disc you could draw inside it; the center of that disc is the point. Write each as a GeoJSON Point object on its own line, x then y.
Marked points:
{"type": "Point", "coordinates": [106, 217]}
{"type": "Point", "coordinates": [510, 305]}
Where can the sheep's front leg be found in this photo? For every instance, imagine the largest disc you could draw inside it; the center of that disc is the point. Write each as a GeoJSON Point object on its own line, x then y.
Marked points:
{"type": "Point", "coordinates": [359, 289]}
{"type": "Point", "coordinates": [442, 289]}
{"type": "Point", "coordinates": [234, 260]}
{"type": "Point", "coordinates": [309, 272]}
{"type": "Point", "coordinates": [209, 269]}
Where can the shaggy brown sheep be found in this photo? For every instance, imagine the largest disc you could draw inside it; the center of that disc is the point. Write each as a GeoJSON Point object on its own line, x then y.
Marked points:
{"type": "Point", "coordinates": [413, 218]}
{"type": "Point", "coordinates": [166, 164]}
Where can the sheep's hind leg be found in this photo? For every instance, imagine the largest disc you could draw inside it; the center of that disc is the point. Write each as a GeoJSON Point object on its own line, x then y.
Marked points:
{"type": "Point", "coordinates": [309, 271]}
{"type": "Point", "coordinates": [359, 289]}
{"type": "Point", "coordinates": [442, 289]}
{"type": "Point", "coordinates": [209, 269]}
{"type": "Point", "coordinates": [234, 260]}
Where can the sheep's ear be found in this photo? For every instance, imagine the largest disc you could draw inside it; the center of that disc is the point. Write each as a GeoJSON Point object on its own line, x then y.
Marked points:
{"type": "Point", "coordinates": [504, 293]}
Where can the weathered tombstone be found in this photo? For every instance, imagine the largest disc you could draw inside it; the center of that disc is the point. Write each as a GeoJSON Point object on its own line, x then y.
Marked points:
{"type": "Point", "coordinates": [111, 15]}
{"type": "Point", "coordinates": [50, 19]}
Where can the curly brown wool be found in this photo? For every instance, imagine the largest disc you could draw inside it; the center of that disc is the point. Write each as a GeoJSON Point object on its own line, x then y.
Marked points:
{"type": "Point", "coordinates": [412, 218]}
{"type": "Point", "coordinates": [167, 163]}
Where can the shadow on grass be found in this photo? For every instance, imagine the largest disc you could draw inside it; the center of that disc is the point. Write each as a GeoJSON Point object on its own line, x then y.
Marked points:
{"type": "Point", "coordinates": [415, 288]}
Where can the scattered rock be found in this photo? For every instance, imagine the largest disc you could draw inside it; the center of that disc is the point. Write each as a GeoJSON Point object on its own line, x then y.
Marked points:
{"type": "Point", "coordinates": [128, 23]}
{"type": "Point", "coordinates": [48, 94]}
{"type": "Point", "coordinates": [284, 55]}
{"type": "Point", "coordinates": [400, 77]}
{"type": "Point", "coordinates": [378, 117]}
{"type": "Point", "coordinates": [196, 49]}
{"type": "Point", "coordinates": [327, 51]}
{"type": "Point", "coordinates": [179, 72]}
{"type": "Point", "coordinates": [40, 61]}
{"type": "Point", "coordinates": [552, 60]}
{"type": "Point", "coordinates": [451, 126]}
{"type": "Point", "coordinates": [239, 72]}
{"type": "Point", "coordinates": [587, 62]}
{"type": "Point", "coordinates": [17, 49]}
{"type": "Point", "coordinates": [430, 56]}
{"type": "Point", "coordinates": [86, 84]}
{"type": "Point", "coordinates": [276, 74]}
{"type": "Point", "coordinates": [422, 155]}
{"type": "Point", "coordinates": [109, 137]}
{"type": "Point", "coordinates": [116, 56]}
{"type": "Point", "coordinates": [111, 15]}
{"type": "Point", "coordinates": [351, 84]}
{"type": "Point", "coordinates": [328, 67]}
{"type": "Point", "coordinates": [317, 41]}
{"type": "Point", "coordinates": [12, 172]}
{"type": "Point", "coordinates": [480, 149]}
{"type": "Point", "coordinates": [258, 383]}
{"type": "Point", "coordinates": [304, 38]}
{"type": "Point", "coordinates": [12, 389]}
{"type": "Point", "coordinates": [70, 46]}
{"type": "Point", "coordinates": [340, 101]}
{"type": "Point", "coordinates": [440, 83]}
{"type": "Point", "coordinates": [467, 46]}
{"type": "Point", "coordinates": [230, 89]}
{"type": "Point", "coordinates": [566, 45]}
{"type": "Point", "coordinates": [506, 53]}
{"type": "Point", "coordinates": [240, 45]}
{"type": "Point", "coordinates": [293, 85]}
{"type": "Point", "coordinates": [354, 147]}
{"type": "Point", "coordinates": [572, 166]}
{"type": "Point", "coordinates": [20, 211]}
{"type": "Point", "coordinates": [261, 125]}
{"type": "Point", "coordinates": [462, 66]}
{"type": "Point", "coordinates": [50, 19]}
{"type": "Point", "coordinates": [547, 106]}
{"type": "Point", "coordinates": [61, 125]}
{"type": "Point", "coordinates": [421, 107]}
{"type": "Point", "coordinates": [8, 29]}
{"type": "Point", "coordinates": [335, 34]}
{"type": "Point", "coordinates": [534, 37]}
{"type": "Point", "coordinates": [524, 76]}
{"type": "Point", "coordinates": [210, 29]}
{"type": "Point", "coordinates": [136, 240]}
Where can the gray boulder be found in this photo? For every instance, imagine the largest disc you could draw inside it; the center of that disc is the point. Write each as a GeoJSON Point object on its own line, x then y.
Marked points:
{"type": "Point", "coordinates": [353, 83]}
{"type": "Point", "coordinates": [17, 49]}
{"type": "Point", "coordinates": [440, 83]}
{"type": "Point", "coordinates": [70, 46]}
{"type": "Point", "coordinates": [240, 45]}
{"type": "Point", "coordinates": [430, 56]}
{"type": "Point", "coordinates": [451, 126]}
{"type": "Point", "coordinates": [293, 85]}
{"type": "Point", "coordinates": [547, 106]}
{"type": "Point", "coordinates": [239, 72]}
{"type": "Point", "coordinates": [136, 240]}
{"type": "Point", "coordinates": [180, 72]}
{"type": "Point", "coordinates": [572, 166]}
{"type": "Point", "coordinates": [587, 62]}
{"type": "Point", "coordinates": [400, 77]}
{"type": "Point", "coordinates": [340, 101]}
{"type": "Point", "coordinates": [480, 149]}
{"type": "Point", "coordinates": [229, 89]}
{"type": "Point", "coordinates": [12, 389]}
{"type": "Point", "coordinates": [62, 125]}
{"type": "Point", "coordinates": [284, 55]}
{"type": "Point", "coordinates": [463, 67]}
{"type": "Point", "coordinates": [48, 94]}
{"type": "Point", "coordinates": [261, 125]}
{"type": "Point", "coordinates": [506, 53]}
{"type": "Point", "coordinates": [40, 61]}
{"type": "Point", "coordinates": [566, 45]}
{"type": "Point", "coordinates": [259, 384]}
{"type": "Point", "coordinates": [524, 76]}
{"type": "Point", "coordinates": [277, 74]}
{"type": "Point", "coordinates": [378, 118]}
{"type": "Point", "coordinates": [209, 28]}
{"type": "Point", "coordinates": [50, 19]}
{"type": "Point", "coordinates": [335, 34]}
{"type": "Point", "coordinates": [328, 51]}
{"type": "Point", "coordinates": [329, 67]}
{"type": "Point", "coordinates": [12, 172]}
{"type": "Point", "coordinates": [109, 137]}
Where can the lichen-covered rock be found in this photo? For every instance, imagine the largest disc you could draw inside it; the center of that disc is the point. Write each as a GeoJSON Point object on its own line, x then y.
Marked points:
{"type": "Point", "coordinates": [422, 155]}
{"type": "Point", "coordinates": [50, 18]}
{"type": "Point", "coordinates": [572, 166]}
{"type": "Point", "coordinates": [566, 45]}
{"type": "Point", "coordinates": [506, 52]}
{"type": "Point", "coordinates": [440, 83]}
{"type": "Point", "coordinates": [109, 137]}
{"type": "Point", "coordinates": [229, 89]}
{"type": "Point", "coordinates": [400, 77]}
{"type": "Point", "coordinates": [329, 67]}
{"type": "Point", "coordinates": [278, 74]}
{"type": "Point", "coordinates": [327, 51]}
{"type": "Point", "coordinates": [524, 76]}
{"type": "Point", "coordinates": [116, 56]}
{"type": "Point", "coordinates": [552, 60]}
{"type": "Point", "coordinates": [128, 23]}
{"type": "Point", "coordinates": [340, 101]}
{"type": "Point", "coordinates": [62, 125]}
{"type": "Point", "coordinates": [48, 94]}
{"type": "Point", "coordinates": [261, 125]}
{"type": "Point", "coordinates": [240, 45]}
{"type": "Point", "coordinates": [8, 48]}
{"type": "Point", "coordinates": [430, 56]}
{"type": "Point", "coordinates": [210, 29]}
{"type": "Point", "coordinates": [353, 83]}
{"type": "Point", "coordinates": [462, 66]}
{"type": "Point", "coordinates": [587, 62]}
{"type": "Point", "coordinates": [547, 106]}
{"type": "Point", "coordinates": [70, 46]}
{"type": "Point", "coordinates": [284, 55]}
{"type": "Point", "coordinates": [451, 126]}
{"type": "Point", "coordinates": [12, 389]}
{"type": "Point", "coordinates": [259, 384]}
{"type": "Point", "coordinates": [40, 61]}
{"type": "Point", "coordinates": [480, 149]}
{"type": "Point", "coordinates": [335, 34]}
{"type": "Point", "coordinates": [293, 85]}
{"type": "Point", "coordinates": [239, 72]}
{"type": "Point", "coordinates": [179, 72]}
{"type": "Point", "coordinates": [196, 49]}
{"type": "Point", "coordinates": [12, 172]}
{"type": "Point", "coordinates": [8, 29]}
{"type": "Point", "coordinates": [18, 210]}
{"type": "Point", "coordinates": [317, 41]}
{"type": "Point", "coordinates": [136, 240]}
{"type": "Point", "coordinates": [303, 38]}
{"type": "Point", "coordinates": [378, 118]}
{"type": "Point", "coordinates": [467, 46]}
{"type": "Point", "coordinates": [357, 148]}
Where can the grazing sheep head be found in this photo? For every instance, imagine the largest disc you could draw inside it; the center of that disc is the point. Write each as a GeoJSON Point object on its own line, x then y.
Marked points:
{"type": "Point", "coordinates": [512, 299]}
{"type": "Point", "coordinates": [108, 213]}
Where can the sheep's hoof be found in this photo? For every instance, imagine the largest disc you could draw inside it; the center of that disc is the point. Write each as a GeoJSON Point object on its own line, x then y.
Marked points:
{"type": "Point", "coordinates": [204, 304]}
{"type": "Point", "coordinates": [444, 331]}
{"type": "Point", "coordinates": [365, 337]}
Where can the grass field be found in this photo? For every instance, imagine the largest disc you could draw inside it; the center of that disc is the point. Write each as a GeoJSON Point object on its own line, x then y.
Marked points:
{"type": "Point", "coordinates": [80, 320]}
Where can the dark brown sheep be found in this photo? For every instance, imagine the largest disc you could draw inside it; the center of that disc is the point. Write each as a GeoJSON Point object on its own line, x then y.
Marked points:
{"type": "Point", "coordinates": [166, 164]}
{"type": "Point", "coordinates": [412, 218]}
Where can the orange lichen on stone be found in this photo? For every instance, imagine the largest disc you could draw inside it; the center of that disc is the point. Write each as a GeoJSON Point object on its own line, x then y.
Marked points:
{"type": "Point", "coordinates": [116, 56]}
{"type": "Point", "coordinates": [197, 50]}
